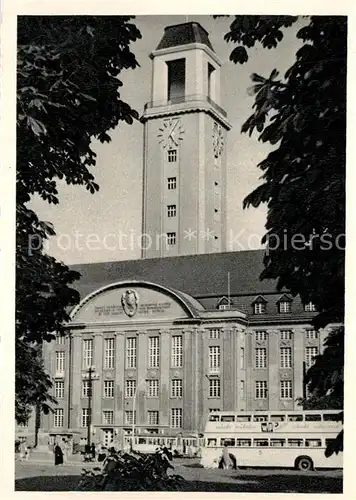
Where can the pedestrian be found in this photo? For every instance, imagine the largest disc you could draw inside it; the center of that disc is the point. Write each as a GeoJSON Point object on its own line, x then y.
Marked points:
{"type": "Point", "coordinates": [22, 448]}
{"type": "Point", "coordinates": [65, 450]}
{"type": "Point", "coordinates": [58, 455]}
{"type": "Point", "coordinates": [226, 460]}
{"type": "Point", "coordinates": [93, 451]}
{"type": "Point", "coordinates": [27, 453]}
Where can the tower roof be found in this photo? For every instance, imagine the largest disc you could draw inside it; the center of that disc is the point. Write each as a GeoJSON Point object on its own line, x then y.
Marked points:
{"type": "Point", "coordinates": [183, 34]}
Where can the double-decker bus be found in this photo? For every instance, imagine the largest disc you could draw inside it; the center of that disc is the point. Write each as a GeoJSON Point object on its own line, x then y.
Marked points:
{"type": "Point", "coordinates": [272, 439]}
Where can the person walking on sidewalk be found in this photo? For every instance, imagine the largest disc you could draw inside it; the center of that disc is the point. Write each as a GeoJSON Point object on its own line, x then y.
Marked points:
{"type": "Point", "coordinates": [58, 455]}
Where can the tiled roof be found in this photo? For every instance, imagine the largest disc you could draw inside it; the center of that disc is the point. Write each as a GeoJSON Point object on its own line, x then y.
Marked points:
{"type": "Point", "coordinates": [197, 275]}
{"type": "Point", "coordinates": [183, 34]}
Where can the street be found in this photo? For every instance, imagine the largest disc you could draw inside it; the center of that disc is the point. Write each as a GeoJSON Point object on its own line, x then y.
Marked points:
{"type": "Point", "coordinates": [46, 477]}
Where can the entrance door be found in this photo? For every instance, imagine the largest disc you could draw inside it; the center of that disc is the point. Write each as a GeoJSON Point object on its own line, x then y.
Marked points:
{"type": "Point", "coordinates": [108, 437]}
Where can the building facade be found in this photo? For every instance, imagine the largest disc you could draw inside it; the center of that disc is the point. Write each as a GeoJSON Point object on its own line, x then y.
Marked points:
{"type": "Point", "coordinates": [166, 339]}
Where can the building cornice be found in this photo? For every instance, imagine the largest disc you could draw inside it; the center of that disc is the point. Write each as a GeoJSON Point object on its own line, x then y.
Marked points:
{"type": "Point", "coordinates": [185, 48]}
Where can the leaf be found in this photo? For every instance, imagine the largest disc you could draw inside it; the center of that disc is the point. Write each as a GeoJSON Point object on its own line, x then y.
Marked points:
{"type": "Point", "coordinates": [37, 127]}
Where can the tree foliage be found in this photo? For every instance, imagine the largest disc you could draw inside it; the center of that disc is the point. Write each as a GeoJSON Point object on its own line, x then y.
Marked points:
{"type": "Point", "coordinates": [68, 83]}
{"type": "Point", "coordinates": [303, 116]}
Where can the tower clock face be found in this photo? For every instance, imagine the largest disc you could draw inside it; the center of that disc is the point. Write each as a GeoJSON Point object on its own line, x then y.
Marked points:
{"type": "Point", "coordinates": [218, 140]}
{"type": "Point", "coordinates": [170, 134]}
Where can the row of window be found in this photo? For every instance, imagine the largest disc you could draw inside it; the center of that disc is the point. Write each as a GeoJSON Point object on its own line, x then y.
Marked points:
{"type": "Point", "coordinates": [261, 389]}
{"type": "Point", "coordinates": [285, 357]}
{"type": "Point", "coordinates": [152, 388]}
{"type": "Point", "coordinates": [283, 307]}
{"type": "Point", "coordinates": [177, 353]}
{"type": "Point", "coordinates": [310, 334]}
{"type": "Point", "coordinates": [264, 442]}
{"type": "Point", "coordinates": [130, 417]}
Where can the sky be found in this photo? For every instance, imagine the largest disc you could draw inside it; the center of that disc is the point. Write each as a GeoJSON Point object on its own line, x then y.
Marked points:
{"type": "Point", "coordinates": [82, 220]}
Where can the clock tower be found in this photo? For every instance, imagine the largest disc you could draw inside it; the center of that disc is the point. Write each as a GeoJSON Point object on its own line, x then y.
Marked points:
{"type": "Point", "coordinates": [184, 173]}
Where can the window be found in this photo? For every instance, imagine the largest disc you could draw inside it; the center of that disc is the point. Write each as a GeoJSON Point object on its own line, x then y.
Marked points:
{"type": "Point", "coordinates": [211, 89]}
{"type": "Point", "coordinates": [313, 443]}
{"type": "Point", "coordinates": [214, 333]}
{"type": "Point", "coordinates": [286, 335]}
{"type": "Point", "coordinates": [153, 417]}
{"type": "Point", "coordinates": [171, 238]}
{"type": "Point", "coordinates": [243, 418]}
{"type": "Point", "coordinates": [310, 353]}
{"type": "Point", "coordinates": [295, 443]}
{"type": "Point", "coordinates": [172, 183]}
{"type": "Point", "coordinates": [87, 353]}
{"type": "Point", "coordinates": [295, 418]}
{"type": "Point", "coordinates": [310, 307]}
{"type": "Point", "coordinates": [172, 155]}
{"type": "Point", "coordinates": [58, 417]}
{"type": "Point", "coordinates": [242, 389]}
{"type": "Point", "coordinates": [331, 417]}
{"type": "Point", "coordinates": [259, 307]}
{"type": "Point", "coordinates": [108, 388]}
{"type": "Point", "coordinates": [227, 418]}
{"type": "Point", "coordinates": [228, 441]}
{"type": "Point", "coordinates": [130, 388]}
{"type": "Point", "coordinates": [171, 210]}
{"type": "Point", "coordinates": [109, 353]}
{"type": "Point", "coordinates": [278, 442]}
{"type": "Point", "coordinates": [176, 388]}
{"type": "Point", "coordinates": [314, 417]}
{"type": "Point", "coordinates": [243, 442]}
{"type": "Point", "coordinates": [177, 351]}
{"type": "Point", "coordinates": [85, 388]}
{"type": "Point", "coordinates": [131, 343]}
{"type": "Point", "coordinates": [214, 387]}
{"type": "Point", "coordinates": [242, 358]}
{"type": "Point", "coordinates": [260, 442]}
{"type": "Point", "coordinates": [152, 388]}
{"type": "Point", "coordinates": [85, 421]}
{"type": "Point", "coordinates": [311, 334]}
{"type": "Point", "coordinates": [284, 306]}
{"type": "Point", "coordinates": [59, 389]}
{"type": "Point", "coordinates": [286, 357]}
{"type": "Point", "coordinates": [261, 389]}
{"type": "Point", "coordinates": [261, 357]}
{"type": "Point", "coordinates": [108, 417]}
{"type": "Point", "coordinates": [60, 357]}
{"type": "Point", "coordinates": [214, 358]}
{"type": "Point", "coordinates": [176, 79]}
{"type": "Point", "coordinates": [260, 418]}
{"type": "Point", "coordinates": [129, 417]}
{"type": "Point", "coordinates": [261, 336]}
{"type": "Point", "coordinates": [224, 307]}
{"type": "Point", "coordinates": [60, 339]}
{"type": "Point", "coordinates": [153, 352]}
{"type": "Point", "coordinates": [286, 389]}
{"type": "Point", "coordinates": [176, 417]}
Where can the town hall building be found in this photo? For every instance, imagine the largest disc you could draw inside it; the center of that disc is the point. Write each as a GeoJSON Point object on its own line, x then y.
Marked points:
{"type": "Point", "coordinates": [159, 342]}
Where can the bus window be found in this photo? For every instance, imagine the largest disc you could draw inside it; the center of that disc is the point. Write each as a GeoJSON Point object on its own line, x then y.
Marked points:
{"type": "Point", "coordinates": [295, 418]}
{"type": "Point", "coordinates": [277, 418]}
{"type": "Point", "coordinates": [214, 418]}
{"type": "Point", "coordinates": [278, 442]}
{"type": "Point", "coordinates": [227, 418]}
{"type": "Point", "coordinates": [313, 418]}
{"type": "Point", "coordinates": [260, 418]}
{"type": "Point", "coordinates": [211, 442]}
{"type": "Point", "coordinates": [331, 417]}
{"type": "Point", "coordinates": [243, 442]}
{"type": "Point", "coordinates": [313, 443]}
{"type": "Point", "coordinates": [295, 442]}
{"type": "Point", "coordinates": [243, 418]}
{"type": "Point", "coordinates": [141, 441]}
{"type": "Point", "coordinates": [260, 442]}
{"type": "Point", "coordinates": [227, 441]}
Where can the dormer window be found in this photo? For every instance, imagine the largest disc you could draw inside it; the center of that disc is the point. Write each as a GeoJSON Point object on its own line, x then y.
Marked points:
{"type": "Point", "coordinates": [284, 304]}
{"type": "Point", "coordinates": [259, 305]}
{"type": "Point", "coordinates": [224, 304]}
{"type": "Point", "coordinates": [310, 307]}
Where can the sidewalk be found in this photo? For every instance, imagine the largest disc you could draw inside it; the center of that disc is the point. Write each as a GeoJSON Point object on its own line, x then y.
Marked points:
{"type": "Point", "coordinates": [37, 457]}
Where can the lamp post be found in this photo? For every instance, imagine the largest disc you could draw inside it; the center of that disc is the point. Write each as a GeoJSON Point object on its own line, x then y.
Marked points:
{"type": "Point", "coordinates": [134, 410]}
{"type": "Point", "coordinates": [90, 395]}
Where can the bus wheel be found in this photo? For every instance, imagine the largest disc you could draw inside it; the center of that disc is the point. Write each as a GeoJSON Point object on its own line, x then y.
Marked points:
{"type": "Point", "coordinates": [304, 463]}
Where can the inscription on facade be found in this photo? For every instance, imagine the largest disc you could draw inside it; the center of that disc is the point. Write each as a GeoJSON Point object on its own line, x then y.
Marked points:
{"type": "Point", "coordinates": [145, 309]}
